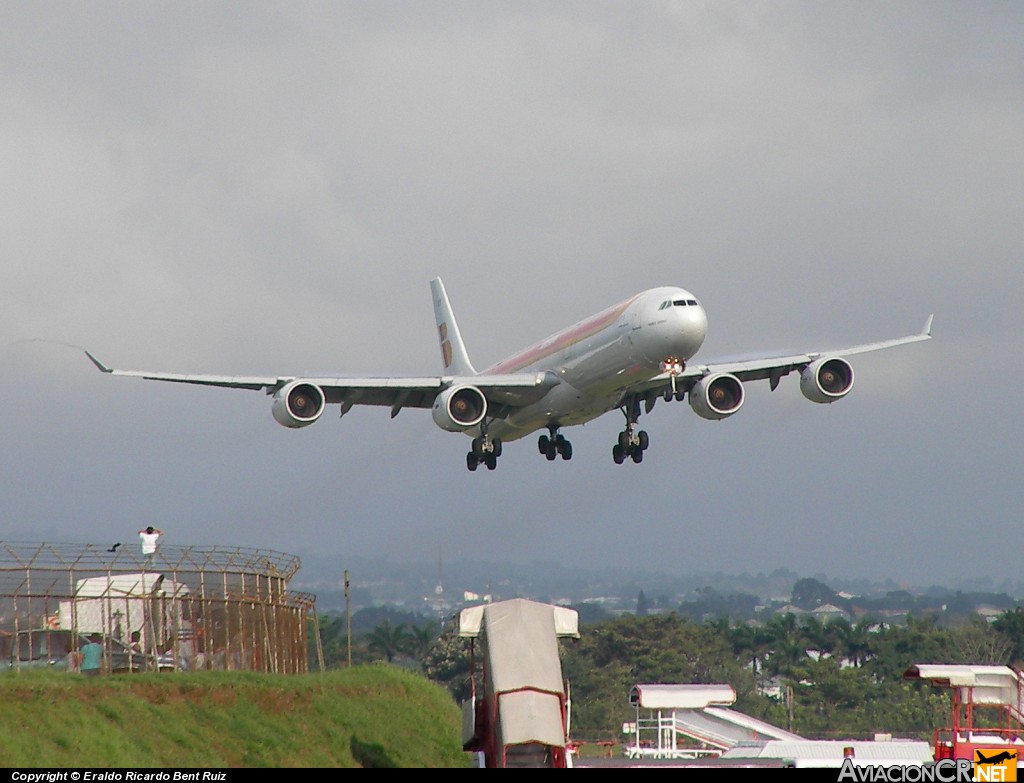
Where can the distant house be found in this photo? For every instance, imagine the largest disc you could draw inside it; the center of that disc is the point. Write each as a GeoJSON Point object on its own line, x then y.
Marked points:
{"type": "Point", "coordinates": [791, 609]}
{"type": "Point", "coordinates": [828, 612]}
{"type": "Point", "coordinates": [988, 613]}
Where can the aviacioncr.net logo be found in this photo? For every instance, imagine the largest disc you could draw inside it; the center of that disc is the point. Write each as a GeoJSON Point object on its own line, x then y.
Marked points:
{"type": "Point", "coordinates": [945, 771]}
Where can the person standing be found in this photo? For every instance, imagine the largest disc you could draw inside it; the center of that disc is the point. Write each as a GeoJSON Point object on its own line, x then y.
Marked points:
{"type": "Point", "coordinates": [149, 537]}
{"type": "Point", "coordinates": [92, 657]}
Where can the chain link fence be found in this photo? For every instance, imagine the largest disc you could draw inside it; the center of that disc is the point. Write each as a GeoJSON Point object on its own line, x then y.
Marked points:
{"type": "Point", "coordinates": [183, 608]}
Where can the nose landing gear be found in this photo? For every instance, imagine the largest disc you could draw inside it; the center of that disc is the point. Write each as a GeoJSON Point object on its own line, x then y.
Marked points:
{"type": "Point", "coordinates": [674, 366]}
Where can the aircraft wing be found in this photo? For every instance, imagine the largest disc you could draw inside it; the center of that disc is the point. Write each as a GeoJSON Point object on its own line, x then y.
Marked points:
{"type": "Point", "coordinates": [503, 391]}
{"type": "Point", "coordinates": [775, 367]}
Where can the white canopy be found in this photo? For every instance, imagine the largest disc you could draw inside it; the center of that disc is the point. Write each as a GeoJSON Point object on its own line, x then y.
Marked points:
{"type": "Point", "coordinates": [681, 697]}
{"type": "Point", "coordinates": [994, 685]}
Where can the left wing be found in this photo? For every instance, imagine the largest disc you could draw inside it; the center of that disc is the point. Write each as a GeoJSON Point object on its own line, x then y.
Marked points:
{"type": "Point", "coordinates": [716, 388]}
{"type": "Point", "coordinates": [776, 367]}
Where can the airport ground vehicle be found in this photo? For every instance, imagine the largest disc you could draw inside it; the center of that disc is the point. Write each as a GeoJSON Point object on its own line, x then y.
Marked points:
{"type": "Point", "coordinates": [59, 650]}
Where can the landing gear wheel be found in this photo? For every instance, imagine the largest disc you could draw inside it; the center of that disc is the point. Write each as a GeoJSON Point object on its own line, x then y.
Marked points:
{"type": "Point", "coordinates": [542, 444]}
{"type": "Point", "coordinates": [566, 450]}
{"type": "Point", "coordinates": [491, 461]}
{"type": "Point", "coordinates": [642, 440]}
{"type": "Point", "coordinates": [478, 447]}
{"type": "Point", "coordinates": [497, 447]}
{"type": "Point", "coordinates": [638, 456]}
{"type": "Point", "coordinates": [552, 451]}
{"type": "Point", "coordinates": [624, 440]}
{"type": "Point", "coordinates": [472, 461]}
{"type": "Point", "coordinates": [618, 454]}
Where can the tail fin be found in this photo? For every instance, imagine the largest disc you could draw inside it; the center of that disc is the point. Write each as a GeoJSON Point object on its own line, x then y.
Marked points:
{"type": "Point", "coordinates": [453, 350]}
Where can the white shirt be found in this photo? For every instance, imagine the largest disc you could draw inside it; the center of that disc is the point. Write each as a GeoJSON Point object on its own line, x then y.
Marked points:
{"type": "Point", "coordinates": [149, 542]}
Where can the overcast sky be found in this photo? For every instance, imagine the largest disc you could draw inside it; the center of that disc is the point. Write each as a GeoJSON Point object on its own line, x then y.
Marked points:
{"type": "Point", "coordinates": [268, 188]}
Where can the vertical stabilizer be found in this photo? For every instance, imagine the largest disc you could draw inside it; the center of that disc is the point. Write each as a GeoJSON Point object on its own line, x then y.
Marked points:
{"type": "Point", "coordinates": [453, 350]}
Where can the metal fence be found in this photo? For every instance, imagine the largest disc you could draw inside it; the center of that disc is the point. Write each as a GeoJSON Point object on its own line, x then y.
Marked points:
{"type": "Point", "coordinates": [184, 608]}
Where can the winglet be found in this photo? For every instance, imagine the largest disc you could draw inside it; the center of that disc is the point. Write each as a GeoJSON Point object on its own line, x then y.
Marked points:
{"type": "Point", "coordinates": [928, 325]}
{"type": "Point", "coordinates": [100, 365]}
{"type": "Point", "coordinates": [453, 351]}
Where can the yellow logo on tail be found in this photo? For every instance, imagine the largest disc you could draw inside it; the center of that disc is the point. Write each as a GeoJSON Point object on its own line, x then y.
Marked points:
{"type": "Point", "coordinates": [446, 346]}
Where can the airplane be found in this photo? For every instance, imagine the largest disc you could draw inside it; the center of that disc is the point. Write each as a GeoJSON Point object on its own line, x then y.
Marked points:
{"type": "Point", "coordinates": [996, 759]}
{"type": "Point", "coordinates": [625, 357]}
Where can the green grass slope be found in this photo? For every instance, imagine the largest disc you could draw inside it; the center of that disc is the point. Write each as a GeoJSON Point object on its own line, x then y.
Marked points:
{"type": "Point", "coordinates": [367, 716]}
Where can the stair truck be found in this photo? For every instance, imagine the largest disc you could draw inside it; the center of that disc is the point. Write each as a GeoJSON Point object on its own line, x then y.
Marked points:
{"type": "Point", "coordinates": [518, 711]}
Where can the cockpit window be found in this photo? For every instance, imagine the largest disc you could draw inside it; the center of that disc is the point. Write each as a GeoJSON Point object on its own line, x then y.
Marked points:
{"type": "Point", "coordinates": [665, 304]}
{"type": "Point", "coordinates": [680, 303]}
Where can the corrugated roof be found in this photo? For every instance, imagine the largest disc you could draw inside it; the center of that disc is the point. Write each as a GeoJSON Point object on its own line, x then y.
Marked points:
{"type": "Point", "coordinates": [830, 753]}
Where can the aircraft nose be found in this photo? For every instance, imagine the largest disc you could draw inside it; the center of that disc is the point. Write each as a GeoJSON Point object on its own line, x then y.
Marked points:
{"type": "Point", "coordinates": [693, 323]}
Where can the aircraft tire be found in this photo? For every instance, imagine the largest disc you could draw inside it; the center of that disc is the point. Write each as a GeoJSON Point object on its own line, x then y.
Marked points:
{"type": "Point", "coordinates": [638, 456]}
{"type": "Point", "coordinates": [566, 450]}
{"type": "Point", "coordinates": [542, 444]}
{"type": "Point", "coordinates": [618, 454]}
{"type": "Point", "coordinates": [624, 440]}
{"type": "Point", "coordinates": [497, 447]}
{"type": "Point", "coordinates": [491, 461]}
{"type": "Point", "coordinates": [472, 461]}
{"type": "Point", "coordinates": [644, 441]}
{"type": "Point", "coordinates": [552, 451]}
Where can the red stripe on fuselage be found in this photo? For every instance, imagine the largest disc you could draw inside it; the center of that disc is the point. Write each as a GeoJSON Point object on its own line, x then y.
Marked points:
{"type": "Point", "coordinates": [562, 340]}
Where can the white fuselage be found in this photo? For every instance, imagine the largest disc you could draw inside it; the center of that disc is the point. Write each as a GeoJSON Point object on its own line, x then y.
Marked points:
{"type": "Point", "coordinates": [597, 359]}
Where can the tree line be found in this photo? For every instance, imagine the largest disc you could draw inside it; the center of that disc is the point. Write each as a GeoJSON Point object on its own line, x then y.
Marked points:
{"type": "Point", "coordinates": [820, 679]}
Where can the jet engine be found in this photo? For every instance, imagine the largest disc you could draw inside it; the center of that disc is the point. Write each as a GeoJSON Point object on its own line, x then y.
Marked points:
{"type": "Point", "coordinates": [298, 404]}
{"type": "Point", "coordinates": [826, 380]}
{"type": "Point", "coordinates": [716, 396]}
{"type": "Point", "coordinates": [459, 408]}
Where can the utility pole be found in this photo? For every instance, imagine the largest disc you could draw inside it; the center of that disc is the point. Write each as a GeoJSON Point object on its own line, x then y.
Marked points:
{"type": "Point", "coordinates": [348, 621]}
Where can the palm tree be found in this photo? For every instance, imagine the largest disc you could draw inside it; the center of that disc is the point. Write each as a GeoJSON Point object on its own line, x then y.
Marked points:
{"type": "Point", "coordinates": [420, 639]}
{"type": "Point", "coordinates": [786, 643]}
{"type": "Point", "coordinates": [387, 640]}
{"type": "Point", "coordinates": [854, 640]}
{"type": "Point", "coordinates": [752, 642]}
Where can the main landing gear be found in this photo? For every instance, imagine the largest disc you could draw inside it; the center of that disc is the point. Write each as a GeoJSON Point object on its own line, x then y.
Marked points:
{"type": "Point", "coordinates": [554, 444]}
{"type": "Point", "coordinates": [632, 442]}
{"type": "Point", "coordinates": [486, 451]}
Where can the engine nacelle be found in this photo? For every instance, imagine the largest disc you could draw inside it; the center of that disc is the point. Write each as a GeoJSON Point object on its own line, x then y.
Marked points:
{"type": "Point", "coordinates": [298, 404]}
{"type": "Point", "coordinates": [826, 380]}
{"type": "Point", "coordinates": [459, 408]}
{"type": "Point", "coordinates": [716, 396]}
